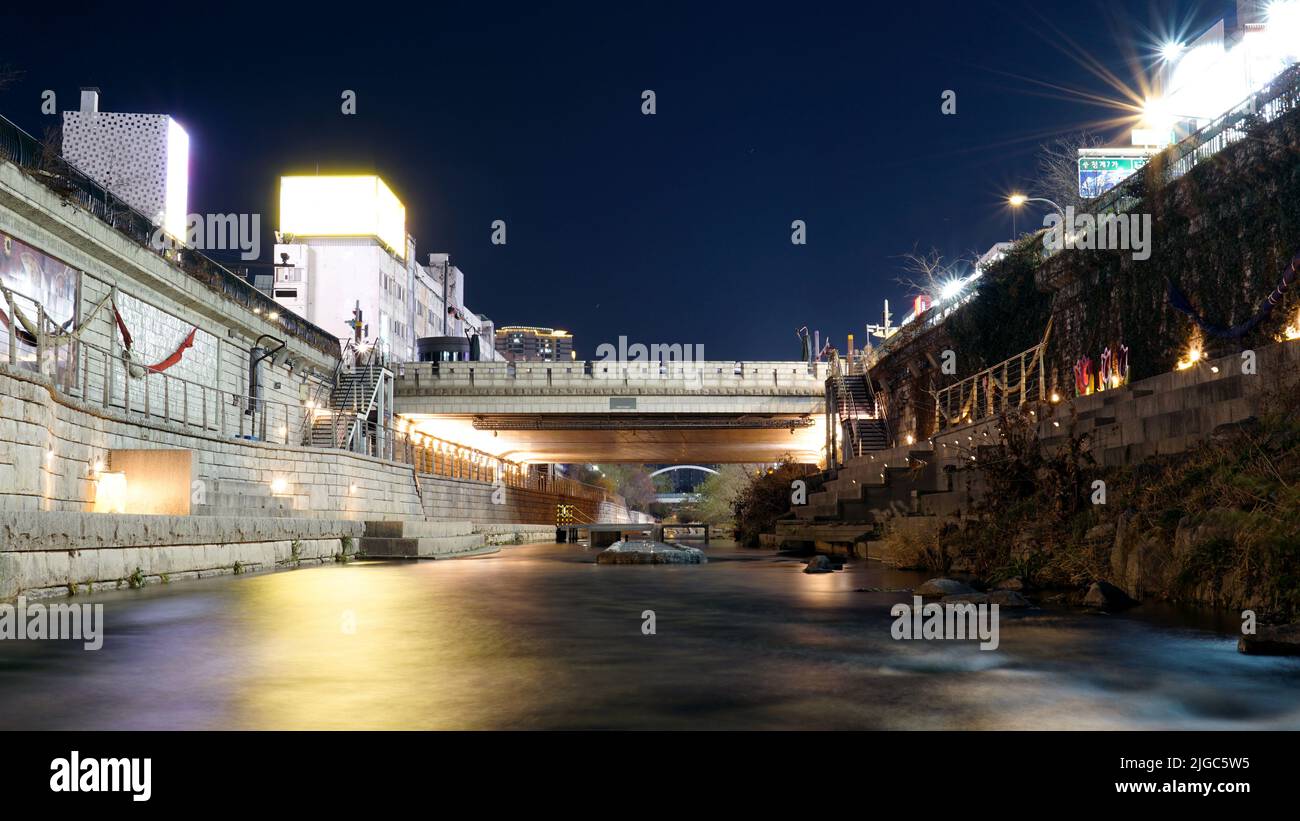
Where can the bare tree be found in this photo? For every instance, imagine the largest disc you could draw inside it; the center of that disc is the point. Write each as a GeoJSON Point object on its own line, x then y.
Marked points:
{"type": "Point", "coordinates": [51, 149]}
{"type": "Point", "coordinates": [1058, 168]}
{"type": "Point", "coordinates": [928, 272]}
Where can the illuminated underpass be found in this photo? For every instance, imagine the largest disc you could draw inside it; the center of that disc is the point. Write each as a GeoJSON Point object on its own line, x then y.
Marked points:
{"type": "Point", "coordinates": [712, 412]}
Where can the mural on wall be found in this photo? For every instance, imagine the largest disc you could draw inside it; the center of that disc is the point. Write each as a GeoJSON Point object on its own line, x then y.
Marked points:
{"type": "Point", "coordinates": [32, 278]}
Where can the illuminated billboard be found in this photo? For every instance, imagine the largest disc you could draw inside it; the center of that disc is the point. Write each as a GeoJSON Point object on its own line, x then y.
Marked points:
{"type": "Point", "coordinates": [343, 206]}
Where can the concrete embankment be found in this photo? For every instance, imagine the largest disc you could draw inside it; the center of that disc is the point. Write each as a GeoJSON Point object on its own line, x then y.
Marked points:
{"type": "Point", "coordinates": [1182, 491]}
{"type": "Point", "coordinates": [66, 553]}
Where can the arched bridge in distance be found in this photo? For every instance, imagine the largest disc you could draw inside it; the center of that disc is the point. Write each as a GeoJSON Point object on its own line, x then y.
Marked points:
{"type": "Point", "coordinates": [671, 468]}
{"type": "Point", "coordinates": [639, 412]}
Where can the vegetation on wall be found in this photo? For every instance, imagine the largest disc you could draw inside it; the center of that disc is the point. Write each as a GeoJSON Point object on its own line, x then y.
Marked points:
{"type": "Point", "coordinates": [1008, 313]}
{"type": "Point", "coordinates": [1222, 233]}
{"type": "Point", "coordinates": [1216, 525]}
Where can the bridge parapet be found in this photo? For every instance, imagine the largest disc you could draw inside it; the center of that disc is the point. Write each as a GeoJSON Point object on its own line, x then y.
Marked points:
{"type": "Point", "coordinates": [765, 377]}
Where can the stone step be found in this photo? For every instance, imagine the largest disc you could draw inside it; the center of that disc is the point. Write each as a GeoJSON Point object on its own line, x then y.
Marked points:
{"type": "Point", "coordinates": [437, 546]}
{"type": "Point", "coordinates": [427, 547]}
{"type": "Point", "coordinates": [417, 529]}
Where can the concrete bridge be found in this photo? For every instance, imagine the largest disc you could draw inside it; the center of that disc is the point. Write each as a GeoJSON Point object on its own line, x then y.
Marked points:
{"type": "Point", "coordinates": [609, 411]}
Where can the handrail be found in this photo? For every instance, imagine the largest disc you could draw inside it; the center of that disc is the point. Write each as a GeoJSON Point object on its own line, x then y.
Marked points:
{"type": "Point", "coordinates": [431, 455]}
{"type": "Point", "coordinates": [363, 413]}
{"type": "Point", "coordinates": [82, 370]}
{"type": "Point", "coordinates": [75, 186]}
{"type": "Point", "coordinates": [1278, 97]}
{"type": "Point", "coordinates": [882, 413]}
{"type": "Point", "coordinates": [976, 397]}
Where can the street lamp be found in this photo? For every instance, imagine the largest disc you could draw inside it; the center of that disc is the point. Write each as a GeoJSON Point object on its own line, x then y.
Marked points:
{"type": "Point", "coordinates": [1017, 200]}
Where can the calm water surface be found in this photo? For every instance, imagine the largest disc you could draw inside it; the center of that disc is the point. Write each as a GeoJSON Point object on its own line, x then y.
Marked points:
{"type": "Point", "coordinates": [539, 636]}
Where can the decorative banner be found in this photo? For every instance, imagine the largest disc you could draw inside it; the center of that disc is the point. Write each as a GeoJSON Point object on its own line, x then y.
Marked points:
{"type": "Point", "coordinates": [129, 353]}
{"type": "Point", "coordinates": [1179, 301]}
{"type": "Point", "coordinates": [188, 342]}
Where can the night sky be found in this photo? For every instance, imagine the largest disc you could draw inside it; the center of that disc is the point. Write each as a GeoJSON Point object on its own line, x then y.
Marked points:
{"type": "Point", "coordinates": [666, 228]}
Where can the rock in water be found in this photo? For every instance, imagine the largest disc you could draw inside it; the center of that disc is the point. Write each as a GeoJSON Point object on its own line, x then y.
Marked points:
{"type": "Point", "coordinates": [944, 587]}
{"type": "Point", "coordinates": [1272, 640]}
{"type": "Point", "coordinates": [966, 598]}
{"type": "Point", "coordinates": [1008, 598]}
{"type": "Point", "coordinates": [819, 564]}
{"type": "Point", "coordinates": [1013, 583]}
{"type": "Point", "coordinates": [1107, 595]}
{"type": "Point", "coordinates": [646, 552]}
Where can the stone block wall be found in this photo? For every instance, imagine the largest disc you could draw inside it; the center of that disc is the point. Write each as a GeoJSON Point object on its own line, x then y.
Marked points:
{"type": "Point", "coordinates": [159, 302]}
{"type": "Point", "coordinates": [50, 446]}
{"type": "Point", "coordinates": [67, 553]}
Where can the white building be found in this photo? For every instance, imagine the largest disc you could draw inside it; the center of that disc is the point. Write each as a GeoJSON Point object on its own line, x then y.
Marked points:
{"type": "Point", "coordinates": [1200, 80]}
{"type": "Point", "coordinates": [345, 249]}
{"type": "Point", "coordinates": [142, 158]}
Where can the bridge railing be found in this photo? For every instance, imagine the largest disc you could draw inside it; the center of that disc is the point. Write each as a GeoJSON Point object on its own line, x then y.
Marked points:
{"type": "Point", "coordinates": [677, 375]}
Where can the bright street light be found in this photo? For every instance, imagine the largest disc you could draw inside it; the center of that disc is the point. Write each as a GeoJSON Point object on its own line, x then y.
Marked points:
{"type": "Point", "coordinates": [1017, 200]}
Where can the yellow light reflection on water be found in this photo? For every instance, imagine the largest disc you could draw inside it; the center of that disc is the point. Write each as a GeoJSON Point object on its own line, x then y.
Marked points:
{"type": "Point", "coordinates": [367, 646]}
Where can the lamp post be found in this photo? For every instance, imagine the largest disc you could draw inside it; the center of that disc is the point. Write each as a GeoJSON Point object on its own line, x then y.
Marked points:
{"type": "Point", "coordinates": [1017, 200]}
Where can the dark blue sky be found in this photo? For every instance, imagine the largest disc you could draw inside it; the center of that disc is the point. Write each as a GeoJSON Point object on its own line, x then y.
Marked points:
{"type": "Point", "coordinates": [666, 228]}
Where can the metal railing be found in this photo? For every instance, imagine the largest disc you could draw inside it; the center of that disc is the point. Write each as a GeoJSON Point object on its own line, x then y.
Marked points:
{"type": "Point", "coordinates": [1280, 96]}
{"type": "Point", "coordinates": [46, 166]}
{"type": "Point", "coordinates": [992, 390]}
{"type": "Point", "coordinates": [81, 370]}
{"type": "Point", "coordinates": [431, 456]}
{"type": "Point", "coordinates": [847, 410]}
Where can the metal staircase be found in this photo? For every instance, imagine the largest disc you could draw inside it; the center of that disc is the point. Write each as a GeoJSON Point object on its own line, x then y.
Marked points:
{"type": "Point", "coordinates": [864, 426]}
{"type": "Point", "coordinates": [358, 411]}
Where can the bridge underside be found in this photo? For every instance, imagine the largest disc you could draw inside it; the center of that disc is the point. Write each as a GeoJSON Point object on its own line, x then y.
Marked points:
{"type": "Point", "coordinates": [640, 438]}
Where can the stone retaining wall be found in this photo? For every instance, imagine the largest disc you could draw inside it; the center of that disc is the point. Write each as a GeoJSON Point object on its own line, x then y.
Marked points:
{"type": "Point", "coordinates": [49, 445]}
{"type": "Point", "coordinates": [44, 553]}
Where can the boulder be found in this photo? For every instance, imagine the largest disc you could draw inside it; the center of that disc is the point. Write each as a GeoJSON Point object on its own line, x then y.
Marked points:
{"type": "Point", "coordinates": [1272, 640]}
{"type": "Point", "coordinates": [647, 552]}
{"type": "Point", "coordinates": [1107, 596]}
{"type": "Point", "coordinates": [944, 587]}
{"type": "Point", "coordinates": [1013, 583]}
{"type": "Point", "coordinates": [819, 564]}
{"type": "Point", "coordinates": [1008, 598]}
{"type": "Point", "coordinates": [966, 598]}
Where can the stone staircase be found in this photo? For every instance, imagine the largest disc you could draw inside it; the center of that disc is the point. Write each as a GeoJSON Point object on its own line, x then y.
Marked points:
{"type": "Point", "coordinates": [421, 540]}
{"type": "Point", "coordinates": [230, 497]}
{"type": "Point", "coordinates": [1162, 415]}
{"type": "Point", "coordinates": [864, 494]}
{"type": "Point", "coordinates": [445, 539]}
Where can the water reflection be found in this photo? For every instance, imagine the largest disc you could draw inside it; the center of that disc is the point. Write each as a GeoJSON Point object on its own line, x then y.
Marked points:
{"type": "Point", "coordinates": [540, 637]}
